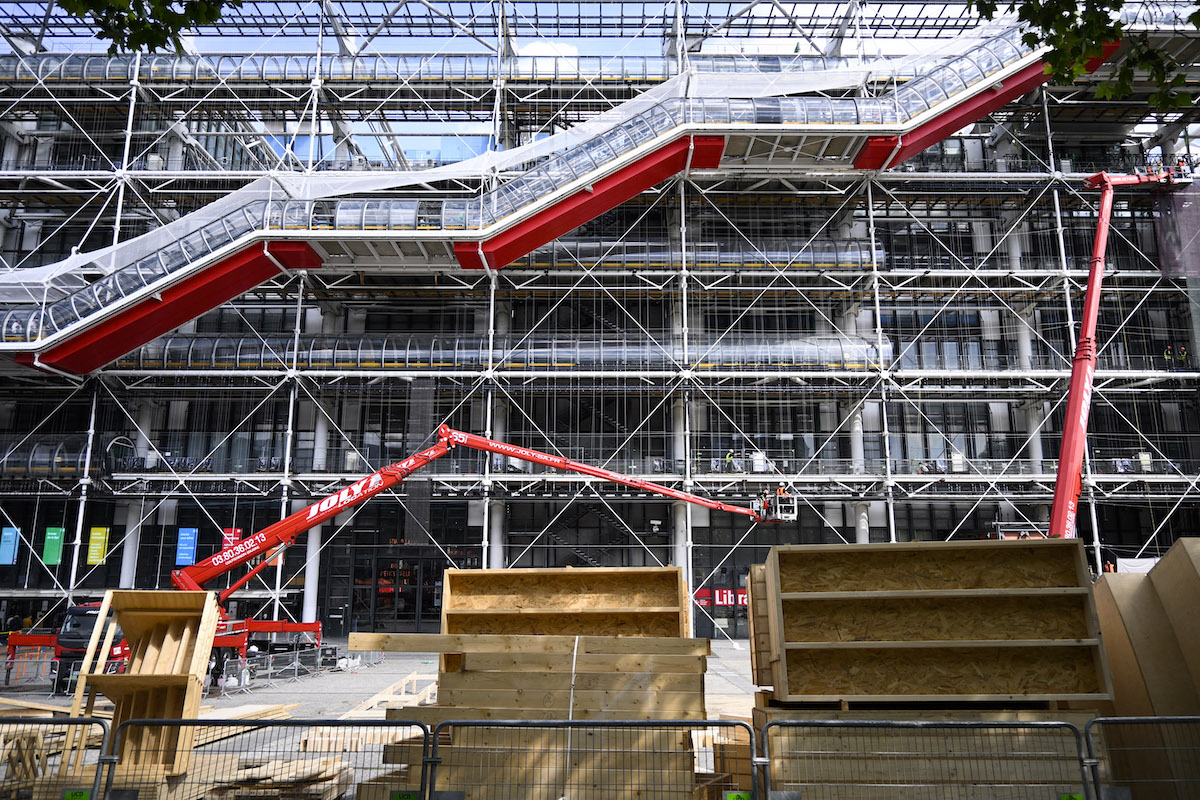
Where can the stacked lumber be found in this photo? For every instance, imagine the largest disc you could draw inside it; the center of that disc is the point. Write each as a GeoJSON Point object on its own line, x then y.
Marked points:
{"type": "Point", "coordinates": [555, 677]}
{"type": "Point", "coordinates": [1152, 634]}
{"type": "Point", "coordinates": [319, 779]}
{"type": "Point", "coordinates": [560, 644]}
{"type": "Point", "coordinates": [1008, 622]}
{"type": "Point", "coordinates": [548, 764]}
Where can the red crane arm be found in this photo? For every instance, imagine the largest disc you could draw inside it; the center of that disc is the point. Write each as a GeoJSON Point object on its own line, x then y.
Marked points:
{"type": "Point", "coordinates": [1083, 369]}
{"type": "Point", "coordinates": [286, 530]}
{"type": "Point", "coordinates": [475, 442]}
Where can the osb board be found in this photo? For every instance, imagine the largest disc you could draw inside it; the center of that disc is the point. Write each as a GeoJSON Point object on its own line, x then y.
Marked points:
{"type": "Point", "coordinates": [759, 617]}
{"type": "Point", "coordinates": [1159, 658]}
{"type": "Point", "coordinates": [980, 673]}
{"type": "Point", "coordinates": [566, 624]}
{"type": "Point", "coordinates": [566, 589]}
{"type": "Point", "coordinates": [1130, 696]}
{"type": "Point", "coordinates": [565, 680]}
{"type": "Point", "coordinates": [601, 662]}
{"type": "Point", "coordinates": [531, 696]}
{"type": "Point", "coordinates": [557, 645]}
{"type": "Point", "coordinates": [633, 601]}
{"type": "Point", "coordinates": [930, 565]}
{"type": "Point", "coordinates": [926, 619]}
{"type": "Point", "coordinates": [434, 715]}
{"type": "Point", "coordinates": [1176, 580]}
{"type": "Point", "coordinates": [765, 714]}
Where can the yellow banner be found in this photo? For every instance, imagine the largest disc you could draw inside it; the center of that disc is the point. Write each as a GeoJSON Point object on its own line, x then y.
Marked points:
{"type": "Point", "coordinates": [97, 552]}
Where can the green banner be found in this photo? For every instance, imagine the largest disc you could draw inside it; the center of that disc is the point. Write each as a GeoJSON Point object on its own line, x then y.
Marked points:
{"type": "Point", "coordinates": [97, 546]}
{"type": "Point", "coordinates": [52, 551]}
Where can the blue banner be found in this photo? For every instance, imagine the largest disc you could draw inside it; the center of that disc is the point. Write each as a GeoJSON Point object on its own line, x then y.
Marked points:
{"type": "Point", "coordinates": [8, 546]}
{"type": "Point", "coordinates": [185, 553]}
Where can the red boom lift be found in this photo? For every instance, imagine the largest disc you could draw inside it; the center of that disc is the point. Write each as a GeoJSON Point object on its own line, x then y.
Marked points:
{"type": "Point", "coordinates": [1079, 392]}
{"type": "Point", "coordinates": [284, 532]}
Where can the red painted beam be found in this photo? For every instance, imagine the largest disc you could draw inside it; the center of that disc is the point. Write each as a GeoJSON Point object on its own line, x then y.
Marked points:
{"type": "Point", "coordinates": [179, 303]}
{"type": "Point", "coordinates": [879, 149]}
{"type": "Point", "coordinates": [700, 152]}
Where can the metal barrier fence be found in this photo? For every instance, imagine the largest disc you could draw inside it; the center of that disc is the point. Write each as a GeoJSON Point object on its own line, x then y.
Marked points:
{"type": "Point", "coordinates": [1145, 758]}
{"type": "Point", "coordinates": [1138, 758]}
{"type": "Point", "coordinates": [33, 666]}
{"type": "Point", "coordinates": [905, 760]}
{"type": "Point", "coordinates": [242, 674]}
{"type": "Point", "coordinates": [592, 760]}
{"type": "Point", "coordinates": [51, 758]}
{"type": "Point", "coordinates": [301, 759]}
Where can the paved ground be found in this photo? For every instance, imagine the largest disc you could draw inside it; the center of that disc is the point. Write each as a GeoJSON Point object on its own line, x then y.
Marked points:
{"type": "Point", "coordinates": [728, 688]}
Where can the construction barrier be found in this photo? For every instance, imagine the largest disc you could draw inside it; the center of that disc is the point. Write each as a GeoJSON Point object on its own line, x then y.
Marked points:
{"type": "Point", "coordinates": [32, 666]}
{"type": "Point", "coordinates": [823, 760]}
{"type": "Point", "coordinates": [1138, 758]}
{"type": "Point", "coordinates": [242, 674]}
{"type": "Point", "coordinates": [290, 759]}
{"type": "Point", "coordinates": [52, 758]}
{"type": "Point", "coordinates": [593, 760]}
{"type": "Point", "coordinates": [1114, 758]}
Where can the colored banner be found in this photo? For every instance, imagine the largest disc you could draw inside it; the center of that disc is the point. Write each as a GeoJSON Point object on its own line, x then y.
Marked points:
{"type": "Point", "coordinates": [185, 551]}
{"type": "Point", "coordinates": [97, 552]}
{"type": "Point", "coordinates": [230, 537]}
{"type": "Point", "coordinates": [52, 550]}
{"type": "Point", "coordinates": [8, 546]}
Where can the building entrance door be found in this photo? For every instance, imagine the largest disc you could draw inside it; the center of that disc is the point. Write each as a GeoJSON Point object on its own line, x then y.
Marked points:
{"type": "Point", "coordinates": [398, 593]}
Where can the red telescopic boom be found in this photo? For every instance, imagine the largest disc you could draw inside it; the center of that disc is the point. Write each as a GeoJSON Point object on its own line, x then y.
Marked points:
{"type": "Point", "coordinates": [284, 532]}
{"type": "Point", "coordinates": [1079, 392]}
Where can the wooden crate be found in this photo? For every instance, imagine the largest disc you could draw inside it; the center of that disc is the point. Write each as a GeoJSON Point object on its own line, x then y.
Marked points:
{"type": "Point", "coordinates": [170, 635]}
{"type": "Point", "coordinates": [603, 601]}
{"type": "Point", "coordinates": [985, 621]}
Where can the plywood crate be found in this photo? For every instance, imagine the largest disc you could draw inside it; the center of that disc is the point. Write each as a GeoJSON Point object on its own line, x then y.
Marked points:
{"type": "Point", "coordinates": [170, 636]}
{"type": "Point", "coordinates": [602, 601]}
{"type": "Point", "coordinates": [984, 621]}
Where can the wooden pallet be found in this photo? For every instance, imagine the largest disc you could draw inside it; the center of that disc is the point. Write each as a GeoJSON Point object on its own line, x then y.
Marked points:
{"type": "Point", "coordinates": [932, 622]}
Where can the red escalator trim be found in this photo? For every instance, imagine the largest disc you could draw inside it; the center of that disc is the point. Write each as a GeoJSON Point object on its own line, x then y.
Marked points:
{"type": "Point", "coordinates": [875, 153]}
{"type": "Point", "coordinates": [175, 305]}
{"type": "Point", "coordinates": [697, 152]}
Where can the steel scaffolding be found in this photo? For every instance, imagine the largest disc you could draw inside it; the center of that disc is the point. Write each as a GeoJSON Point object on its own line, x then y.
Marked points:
{"type": "Point", "coordinates": [891, 344]}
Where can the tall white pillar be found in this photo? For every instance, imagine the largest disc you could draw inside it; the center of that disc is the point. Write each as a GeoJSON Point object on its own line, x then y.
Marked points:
{"type": "Point", "coordinates": [496, 534]}
{"type": "Point", "coordinates": [130, 544]}
{"type": "Point", "coordinates": [1034, 414]}
{"type": "Point", "coordinates": [862, 523]}
{"type": "Point", "coordinates": [1024, 325]}
{"type": "Point", "coordinates": [858, 458]}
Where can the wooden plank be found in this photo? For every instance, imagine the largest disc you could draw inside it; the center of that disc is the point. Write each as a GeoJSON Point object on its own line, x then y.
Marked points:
{"type": "Point", "coordinates": [546, 662]}
{"type": "Point", "coordinates": [486, 643]}
{"type": "Point", "coordinates": [759, 619]}
{"type": "Point", "coordinates": [432, 715]}
{"type": "Point", "coordinates": [564, 699]}
{"type": "Point", "coordinates": [1176, 581]}
{"type": "Point", "coordinates": [775, 622]}
{"type": "Point", "coordinates": [582, 681]}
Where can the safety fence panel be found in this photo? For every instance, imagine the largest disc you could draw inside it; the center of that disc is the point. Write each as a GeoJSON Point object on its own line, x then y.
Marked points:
{"type": "Point", "coordinates": [592, 760]}
{"type": "Point", "coordinates": [52, 758]}
{"type": "Point", "coordinates": [1139, 758]}
{"type": "Point", "coordinates": [907, 760]}
{"type": "Point", "coordinates": [29, 667]}
{"type": "Point", "coordinates": [296, 759]}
